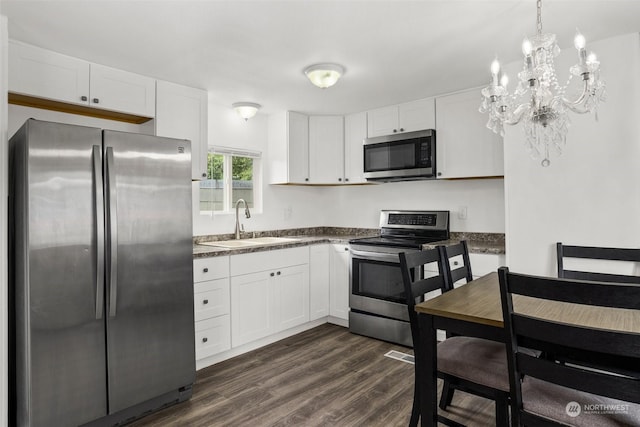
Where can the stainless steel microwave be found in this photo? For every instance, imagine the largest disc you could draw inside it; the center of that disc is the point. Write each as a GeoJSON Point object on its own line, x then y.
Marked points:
{"type": "Point", "coordinates": [400, 157]}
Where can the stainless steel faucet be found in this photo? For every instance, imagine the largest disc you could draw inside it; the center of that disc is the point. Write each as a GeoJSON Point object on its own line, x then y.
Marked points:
{"type": "Point", "coordinates": [247, 214]}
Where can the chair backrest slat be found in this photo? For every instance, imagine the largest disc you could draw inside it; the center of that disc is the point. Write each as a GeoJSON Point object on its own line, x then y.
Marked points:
{"type": "Point", "coordinates": [596, 253]}
{"type": "Point", "coordinates": [452, 275]}
{"type": "Point", "coordinates": [596, 293]}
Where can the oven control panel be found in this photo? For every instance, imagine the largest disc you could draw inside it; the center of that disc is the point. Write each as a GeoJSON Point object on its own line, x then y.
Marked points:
{"type": "Point", "coordinates": [426, 220]}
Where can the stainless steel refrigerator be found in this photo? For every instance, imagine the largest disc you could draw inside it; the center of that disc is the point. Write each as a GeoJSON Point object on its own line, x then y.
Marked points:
{"type": "Point", "coordinates": [101, 274]}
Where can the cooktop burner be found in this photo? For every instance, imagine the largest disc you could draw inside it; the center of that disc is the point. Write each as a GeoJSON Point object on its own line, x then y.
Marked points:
{"type": "Point", "coordinates": [409, 229]}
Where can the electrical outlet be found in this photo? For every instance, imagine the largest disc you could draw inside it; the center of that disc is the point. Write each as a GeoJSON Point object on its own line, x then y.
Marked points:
{"type": "Point", "coordinates": [462, 212]}
{"type": "Point", "coordinates": [288, 211]}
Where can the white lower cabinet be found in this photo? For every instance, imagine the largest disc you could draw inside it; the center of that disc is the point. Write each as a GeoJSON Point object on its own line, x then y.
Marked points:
{"type": "Point", "coordinates": [339, 281]}
{"type": "Point", "coordinates": [319, 281]}
{"type": "Point", "coordinates": [269, 293]}
{"type": "Point", "coordinates": [211, 306]}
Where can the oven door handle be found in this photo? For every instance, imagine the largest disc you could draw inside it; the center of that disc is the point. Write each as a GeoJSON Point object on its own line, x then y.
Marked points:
{"type": "Point", "coordinates": [376, 256]}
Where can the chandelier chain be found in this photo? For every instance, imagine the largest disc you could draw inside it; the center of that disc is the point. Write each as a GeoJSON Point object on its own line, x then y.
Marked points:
{"type": "Point", "coordinates": [539, 21]}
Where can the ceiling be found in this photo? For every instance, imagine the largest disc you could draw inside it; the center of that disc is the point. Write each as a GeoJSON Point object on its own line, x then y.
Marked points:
{"type": "Point", "coordinates": [394, 51]}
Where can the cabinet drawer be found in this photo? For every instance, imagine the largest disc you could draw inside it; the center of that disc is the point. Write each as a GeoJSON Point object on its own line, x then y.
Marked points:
{"type": "Point", "coordinates": [210, 268]}
{"type": "Point", "coordinates": [268, 260]}
{"type": "Point", "coordinates": [211, 299]}
{"type": "Point", "coordinates": [212, 336]}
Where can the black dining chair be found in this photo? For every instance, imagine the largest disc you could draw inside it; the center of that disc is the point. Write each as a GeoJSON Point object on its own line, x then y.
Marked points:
{"type": "Point", "coordinates": [473, 365]}
{"type": "Point", "coordinates": [547, 393]}
{"type": "Point", "coordinates": [454, 271]}
{"type": "Point", "coordinates": [596, 253]}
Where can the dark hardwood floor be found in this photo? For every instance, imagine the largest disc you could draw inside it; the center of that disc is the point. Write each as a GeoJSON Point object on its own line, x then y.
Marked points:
{"type": "Point", "coordinates": [326, 376]}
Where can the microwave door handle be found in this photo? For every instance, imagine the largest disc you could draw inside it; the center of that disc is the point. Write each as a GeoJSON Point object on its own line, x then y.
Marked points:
{"type": "Point", "coordinates": [375, 256]}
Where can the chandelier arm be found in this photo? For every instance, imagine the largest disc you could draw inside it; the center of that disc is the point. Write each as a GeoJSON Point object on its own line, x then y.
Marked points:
{"type": "Point", "coordinates": [577, 106]}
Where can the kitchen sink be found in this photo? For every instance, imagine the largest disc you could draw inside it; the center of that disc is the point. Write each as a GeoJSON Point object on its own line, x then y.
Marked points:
{"type": "Point", "coordinates": [244, 243]}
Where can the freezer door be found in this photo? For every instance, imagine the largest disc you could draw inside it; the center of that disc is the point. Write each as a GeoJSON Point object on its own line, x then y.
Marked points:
{"type": "Point", "coordinates": [55, 204]}
{"type": "Point", "coordinates": [150, 329]}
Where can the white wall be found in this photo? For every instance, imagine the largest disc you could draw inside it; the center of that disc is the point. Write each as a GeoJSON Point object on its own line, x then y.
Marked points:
{"type": "Point", "coordinates": [590, 195]}
{"type": "Point", "coordinates": [359, 206]}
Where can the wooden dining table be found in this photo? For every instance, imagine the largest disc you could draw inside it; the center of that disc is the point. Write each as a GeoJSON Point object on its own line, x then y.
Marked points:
{"type": "Point", "coordinates": [475, 310]}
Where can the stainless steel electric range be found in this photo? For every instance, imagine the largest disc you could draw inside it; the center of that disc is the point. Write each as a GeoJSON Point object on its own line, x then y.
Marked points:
{"type": "Point", "coordinates": [377, 298]}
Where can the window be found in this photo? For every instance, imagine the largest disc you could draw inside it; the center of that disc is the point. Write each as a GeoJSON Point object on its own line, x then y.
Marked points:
{"type": "Point", "coordinates": [231, 175]}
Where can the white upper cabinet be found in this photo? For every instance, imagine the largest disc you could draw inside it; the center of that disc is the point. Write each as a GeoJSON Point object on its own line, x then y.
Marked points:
{"type": "Point", "coordinates": [355, 131]}
{"type": "Point", "coordinates": [46, 74]}
{"type": "Point", "coordinates": [118, 90]}
{"type": "Point", "coordinates": [407, 117]}
{"type": "Point", "coordinates": [465, 148]}
{"type": "Point", "coordinates": [39, 74]}
{"type": "Point", "coordinates": [326, 149]}
{"type": "Point", "coordinates": [181, 112]}
{"type": "Point", "coordinates": [288, 148]}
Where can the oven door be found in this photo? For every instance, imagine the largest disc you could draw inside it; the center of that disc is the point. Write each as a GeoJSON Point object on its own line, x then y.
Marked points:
{"type": "Point", "coordinates": [376, 283]}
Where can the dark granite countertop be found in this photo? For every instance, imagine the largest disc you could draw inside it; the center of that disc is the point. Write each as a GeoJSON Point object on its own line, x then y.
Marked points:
{"type": "Point", "coordinates": [478, 243]}
{"type": "Point", "coordinates": [303, 236]}
{"type": "Point", "coordinates": [483, 243]}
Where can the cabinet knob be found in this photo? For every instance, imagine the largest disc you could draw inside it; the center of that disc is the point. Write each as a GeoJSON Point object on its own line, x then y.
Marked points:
{"type": "Point", "coordinates": [205, 270]}
{"type": "Point", "coordinates": [96, 101]}
{"type": "Point", "coordinates": [206, 301]}
{"type": "Point", "coordinates": [278, 273]}
{"type": "Point", "coordinates": [395, 130]}
{"type": "Point", "coordinates": [455, 263]}
{"type": "Point", "coordinates": [204, 174]}
{"type": "Point", "coordinates": [83, 98]}
{"type": "Point", "coordinates": [340, 179]}
{"type": "Point", "coordinates": [346, 179]}
{"type": "Point", "coordinates": [306, 179]}
{"type": "Point", "coordinates": [205, 339]}
{"type": "Point", "coordinates": [346, 249]}
{"type": "Point", "coordinates": [401, 129]}
{"type": "Point", "coordinates": [272, 274]}
{"type": "Point", "coordinates": [439, 173]}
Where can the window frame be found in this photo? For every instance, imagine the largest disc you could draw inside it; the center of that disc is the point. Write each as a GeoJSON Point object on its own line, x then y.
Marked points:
{"type": "Point", "coordinates": [227, 189]}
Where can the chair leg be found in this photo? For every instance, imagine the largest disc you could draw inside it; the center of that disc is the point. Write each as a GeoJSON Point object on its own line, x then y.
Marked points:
{"type": "Point", "coordinates": [502, 412]}
{"type": "Point", "coordinates": [447, 395]}
{"type": "Point", "coordinates": [415, 410]}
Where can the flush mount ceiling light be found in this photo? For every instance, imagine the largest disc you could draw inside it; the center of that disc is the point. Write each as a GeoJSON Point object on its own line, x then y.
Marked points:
{"type": "Point", "coordinates": [539, 101]}
{"type": "Point", "coordinates": [324, 75]}
{"type": "Point", "coordinates": [246, 110]}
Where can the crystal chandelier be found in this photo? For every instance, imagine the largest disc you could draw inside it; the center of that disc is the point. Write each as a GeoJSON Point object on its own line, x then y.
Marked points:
{"type": "Point", "coordinates": [539, 101]}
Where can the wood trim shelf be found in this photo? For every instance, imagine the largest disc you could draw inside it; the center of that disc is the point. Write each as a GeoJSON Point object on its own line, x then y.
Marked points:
{"type": "Point", "coordinates": [63, 107]}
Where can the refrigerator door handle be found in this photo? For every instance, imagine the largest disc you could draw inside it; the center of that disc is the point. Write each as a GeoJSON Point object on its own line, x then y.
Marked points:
{"type": "Point", "coordinates": [99, 211]}
{"type": "Point", "coordinates": [113, 232]}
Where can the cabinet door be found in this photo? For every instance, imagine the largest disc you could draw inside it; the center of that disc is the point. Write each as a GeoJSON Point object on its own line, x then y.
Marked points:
{"type": "Point", "coordinates": [318, 281]}
{"type": "Point", "coordinates": [417, 115]}
{"type": "Point", "coordinates": [326, 149]}
{"type": "Point", "coordinates": [252, 308]}
{"type": "Point", "coordinates": [181, 112]}
{"type": "Point", "coordinates": [339, 281]}
{"type": "Point", "coordinates": [465, 148]}
{"type": "Point", "coordinates": [118, 90]}
{"type": "Point", "coordinates": [292, 296]}
{"type": "Point", "coordinates": [382, 121]}
{"type": "Point", "coordinates": [355, 131]}
{"type": "Point", "coordinates": [45, 74]}
{"type": "Point", "coordinates": [298, 143]}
